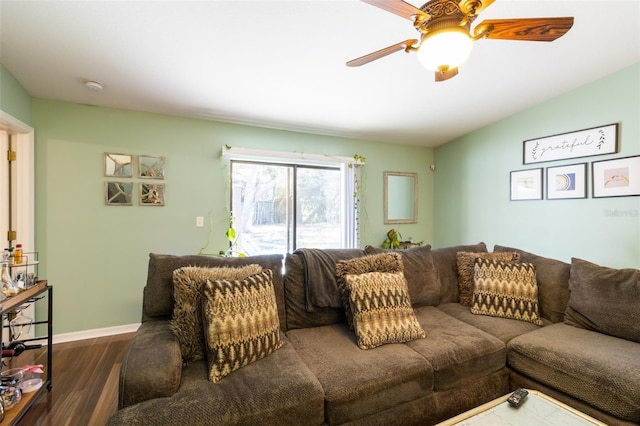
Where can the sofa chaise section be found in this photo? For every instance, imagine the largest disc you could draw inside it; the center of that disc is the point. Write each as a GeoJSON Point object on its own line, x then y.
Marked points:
{"type": "Point", "coordinates": [275, 390]}
{"type": "Point", "coordinates": [599, 370]}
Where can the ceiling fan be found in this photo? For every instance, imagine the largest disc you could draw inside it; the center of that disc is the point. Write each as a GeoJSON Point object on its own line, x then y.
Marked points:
{"type": "Point", "coordinates": [446, 37]}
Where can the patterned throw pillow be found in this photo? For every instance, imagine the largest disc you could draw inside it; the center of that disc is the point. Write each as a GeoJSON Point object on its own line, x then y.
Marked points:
{"type": "Point", "coordinates": [186, 323]}
{"type": "Point", "coordinates": [382, 311]}
{"type": "Point", "coordinates": [382, 262]}
{"type": "Point", "coordinates": [506, 290]}
{"type": "Point", "coordinates": [241, 322]}
{"type": "Point", "coordinates": [466, 262]}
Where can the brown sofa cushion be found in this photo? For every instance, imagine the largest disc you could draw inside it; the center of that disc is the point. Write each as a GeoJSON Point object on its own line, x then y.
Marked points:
{"type": "Point", "coordinates": [296, 298]}
{"type": "Point", "coordinates": [604, 299]}
{"type": "Point", "coordinates": [420, 272]}
{"type": "Point", "coordinates": [358, 383]}
{"type": "Point", "coordinates": [274, 391]}
{"type": "Point", "coordinates": [503, 328]}
{"type": "Point", "coordinates": [444, 260]}
{"type": "Point", "coordinates": [553, 283]}
{"type": "Point", "coordinates": [457, 352]}
{"type": "Point", "coordinates": [466, 262]}
{"type": "Point", "coordinates": [506, 290]}
{"type": "Point", "coordinates": [382, 311]}
{"type": "Point", "coordinates": [382, 262]}
{"type": "Point", "coordinates": [186, 323]}
{"type": "Point", "coordinates": [241, 322]}
{"type": "Point", "coordinates": [595, 368]}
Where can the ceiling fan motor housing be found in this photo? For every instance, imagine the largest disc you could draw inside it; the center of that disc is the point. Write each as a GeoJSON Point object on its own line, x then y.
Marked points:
{"type": "Point", "coordinates": [448, 14]}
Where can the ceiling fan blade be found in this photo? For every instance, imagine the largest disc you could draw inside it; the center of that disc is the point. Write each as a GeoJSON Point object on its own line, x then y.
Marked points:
{"type": "Point", "coordinates": [446, 75]}
{"type": "Point", "coordinates": [404, 45]}
{"type": "Point", "coordinates": [400, 8]}
{"type": "Point", "coordinates": [530, 29]}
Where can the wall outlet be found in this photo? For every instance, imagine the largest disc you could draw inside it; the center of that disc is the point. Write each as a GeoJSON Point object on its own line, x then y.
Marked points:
{"type": "Point", "coordinates": [199, 221]}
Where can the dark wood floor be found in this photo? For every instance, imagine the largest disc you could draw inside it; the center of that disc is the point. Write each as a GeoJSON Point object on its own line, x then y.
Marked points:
{"type": "Point", "coordinates": [85, 383]}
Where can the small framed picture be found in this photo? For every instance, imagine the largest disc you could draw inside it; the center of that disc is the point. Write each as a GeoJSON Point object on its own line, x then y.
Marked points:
{"type": "Point", "coordinates": [616, 178]}
{"type": "Point", "coordinates": [118, 193]}
{"type": "Point", "coordinates": [151, 194]}
{"type": "Point", "coordinates": [117, 165]}
{"type": "Point", "coordinates": [565, 182]}
{"type": "Point", "coordinates": [526, 185]}
{"type": "Point", "coordinates": [150, 167]}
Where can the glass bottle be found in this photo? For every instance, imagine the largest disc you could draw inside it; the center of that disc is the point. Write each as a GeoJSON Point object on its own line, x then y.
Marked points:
{"type": "Point", "coordinates": [17, 254]}
{"type": "Point", "coordinates": [8, 286]}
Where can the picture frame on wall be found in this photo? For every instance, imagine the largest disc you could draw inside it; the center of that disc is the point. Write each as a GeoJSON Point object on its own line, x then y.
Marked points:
{"type": "Point", "coordinates": [151, 194]}
{"type": "Point", "coordinates": [118, 193]}
{"type": "Point", "coordinates": [526, 184]}
{"type": "Point", "coordinates": [619, 177]}
{"type": "Point", "coordinates": [567, 182]}
{"type": "Point", "coordinates": [151, 167]}
{"type": "Point", "coordinates": [118, 165]}
{"type": "Point", "coordinates": [582, 143]}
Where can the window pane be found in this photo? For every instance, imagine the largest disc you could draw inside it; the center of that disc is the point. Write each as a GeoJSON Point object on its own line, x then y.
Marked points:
{"type": "Point", "coordinates": [318, 210]}
{"type": "Point", "coordinates": [262, 198]}
{"type": "Point", "coordinates": [260, 206]}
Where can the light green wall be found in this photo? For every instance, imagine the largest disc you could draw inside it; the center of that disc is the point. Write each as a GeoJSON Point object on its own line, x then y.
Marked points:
{"type": "Point", "coordinates": [471, 200]}
{"type": "Point", "coordinates": [14, 100]}
{"type": "Point", "coordinates": [96, 256]}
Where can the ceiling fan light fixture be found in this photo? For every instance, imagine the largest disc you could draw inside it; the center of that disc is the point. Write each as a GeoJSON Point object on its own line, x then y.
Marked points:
{"type": "Point", "coordinates": [445, 49]}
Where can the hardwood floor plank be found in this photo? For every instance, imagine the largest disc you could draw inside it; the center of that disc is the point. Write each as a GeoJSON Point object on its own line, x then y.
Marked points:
{"type": "Point", "coordinates": [85, 383]}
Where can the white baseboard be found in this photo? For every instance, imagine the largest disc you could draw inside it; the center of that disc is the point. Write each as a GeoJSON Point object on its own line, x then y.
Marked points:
{"type": "Point", "coordinates": [92, 334]}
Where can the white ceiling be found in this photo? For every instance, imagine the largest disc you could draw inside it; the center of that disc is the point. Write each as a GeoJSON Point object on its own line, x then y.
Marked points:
{"type": "Point", "coordinates": [281, 64]}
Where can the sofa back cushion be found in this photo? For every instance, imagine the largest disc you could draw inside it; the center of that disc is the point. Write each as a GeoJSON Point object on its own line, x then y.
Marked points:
{"type": "Point", "coordinates": [158, 300]}
{"type": "Point", "coordinates": [604, 299]}
{"type": "Point", "coordinates": [446, 265]}
{"type": "Point", "coordinates": [300, 312]}
{"type": "Point", "coordinates": [553, 283]}
{"type": "Point", "coordinates": [421, 274]}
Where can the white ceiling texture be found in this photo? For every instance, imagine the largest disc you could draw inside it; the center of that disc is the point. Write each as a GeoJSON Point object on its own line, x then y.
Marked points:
{"type": "Point", "coordinates": [281, 64]}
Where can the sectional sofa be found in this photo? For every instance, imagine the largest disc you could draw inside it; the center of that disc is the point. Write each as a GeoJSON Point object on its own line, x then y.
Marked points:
{"type": "Point", "coordinates": [575, 337]}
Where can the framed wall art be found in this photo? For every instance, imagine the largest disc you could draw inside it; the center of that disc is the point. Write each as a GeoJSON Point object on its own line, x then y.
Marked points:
{"type": "Point", "coordinates": [582, 143]}
{"type": "Point", "coordinates": [118, 193]}
{"type": "Point", "coordinates": [151, 167]}
{"type": "Point", "coordinates": [151, 194]}
{"type": "Point", "coordinates": [616, 178]}
{"type": "Point", "coordinates": [565, 182]}
{"type": "Point", "coordinates": [526, 185]}
{"type": "Point", "coordinates": [117, 165]}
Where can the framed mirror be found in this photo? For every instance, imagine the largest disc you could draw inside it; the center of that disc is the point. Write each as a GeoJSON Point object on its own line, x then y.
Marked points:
{"type": "Point", "coordinates": [117, 165]}
{"type": "Point", "coordinates": [151, 167]}
{"type": "Point", "coordinates": [400, 197]}
{"type": "Point", "coordinates": [118, 193]}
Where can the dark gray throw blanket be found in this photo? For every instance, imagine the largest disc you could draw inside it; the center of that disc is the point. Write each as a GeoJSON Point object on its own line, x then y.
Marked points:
{"type": "Point", "coordinates": [320, 282]}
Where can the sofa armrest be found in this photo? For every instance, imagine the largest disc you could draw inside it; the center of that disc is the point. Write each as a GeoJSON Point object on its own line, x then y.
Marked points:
{"type": "Point", "coordinates": [152, 367]}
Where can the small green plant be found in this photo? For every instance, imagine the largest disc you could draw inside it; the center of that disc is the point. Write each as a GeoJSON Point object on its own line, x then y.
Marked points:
{"type": "Point", "coordinates": [392, 241]}
{"type": "Point", "coordinates": [232, 236]}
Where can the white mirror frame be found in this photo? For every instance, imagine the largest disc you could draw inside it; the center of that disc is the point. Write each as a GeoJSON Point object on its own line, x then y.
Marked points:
{"type": "Point", "coordinates": [398, 188]}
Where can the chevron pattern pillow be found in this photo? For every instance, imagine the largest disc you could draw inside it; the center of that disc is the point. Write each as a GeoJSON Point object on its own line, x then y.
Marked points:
{"type": "Point", "coordinates": [506, 290]}
{"type": "Point", "coordinates": [466, 263]}
{"type": "Point", "coordinates": [186, 323]}
{"type": "Point", "coordinates": [382, 311]}
{"type": "Point", "coordinates": [381, 262]}
{"type": "Point", "coordinates": [241, 322]}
